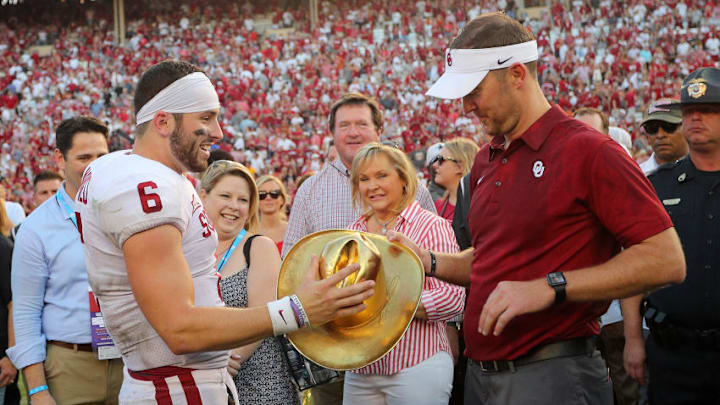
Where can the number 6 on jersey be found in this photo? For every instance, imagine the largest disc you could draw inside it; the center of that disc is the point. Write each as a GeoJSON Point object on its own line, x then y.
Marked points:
{"type": "Point", "coordinates": [150, 201]}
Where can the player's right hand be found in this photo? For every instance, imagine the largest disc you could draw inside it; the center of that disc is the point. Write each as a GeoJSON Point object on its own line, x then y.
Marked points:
{"type": "Point", "coordinates": [323, 301]}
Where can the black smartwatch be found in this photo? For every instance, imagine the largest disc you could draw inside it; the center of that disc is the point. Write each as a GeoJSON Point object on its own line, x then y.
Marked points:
{"type": "Point", "coordinates": [433, 264]}
{"type": "Point", "coordinates": [557, 281]}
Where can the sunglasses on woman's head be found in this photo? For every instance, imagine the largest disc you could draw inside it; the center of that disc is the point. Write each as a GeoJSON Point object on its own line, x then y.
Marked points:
{"type": "Point", "coordinates": [275, 194]}
{"type": "Point", "coordinates": [652, 127]}
{"type": "Point", "coordinates": [392, 144]}
{"type": "Point", "coordinates": [220, 166]}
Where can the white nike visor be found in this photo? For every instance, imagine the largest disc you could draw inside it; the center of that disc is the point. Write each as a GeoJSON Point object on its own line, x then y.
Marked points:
{"type": "Point", "coordinates": [466, 68]}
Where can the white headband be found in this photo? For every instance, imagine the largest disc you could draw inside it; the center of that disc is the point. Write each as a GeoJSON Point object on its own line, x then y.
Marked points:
{"type": "Point", "coordinates": [192, 93]}
{"type": "Point", "coordinates": [466, 68]}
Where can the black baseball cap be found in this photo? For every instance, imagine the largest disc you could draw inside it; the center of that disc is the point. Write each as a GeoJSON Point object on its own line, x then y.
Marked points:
{"type": "Point", "coordinates": [658, 111]}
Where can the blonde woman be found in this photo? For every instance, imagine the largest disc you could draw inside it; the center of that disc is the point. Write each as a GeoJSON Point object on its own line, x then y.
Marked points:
{"type": "Point", "coordinates": [273, 219]}
{"type": "Point", "coordinates": [6, 225]}
{"type": "Point", "coordinates": [249, 265]}
{"type": "Point", "coordinates": [452, 163]}
{"type": "Point", "coordinates": [419, 370]}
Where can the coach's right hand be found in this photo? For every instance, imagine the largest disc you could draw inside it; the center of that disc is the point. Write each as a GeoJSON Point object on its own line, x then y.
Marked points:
{"type": "Point", "coordinates": [323, 301]}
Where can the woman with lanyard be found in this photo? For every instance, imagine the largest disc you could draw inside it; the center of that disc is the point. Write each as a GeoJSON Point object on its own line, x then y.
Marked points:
{"type": "Point", "coordinates": [249, 266]}
{"type": "Point", "coordinates": [454, 161]}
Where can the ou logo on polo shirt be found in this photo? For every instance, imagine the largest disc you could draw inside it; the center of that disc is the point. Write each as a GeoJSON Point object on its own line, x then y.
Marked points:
{"type": "Point", "coordinates": [538, 169]}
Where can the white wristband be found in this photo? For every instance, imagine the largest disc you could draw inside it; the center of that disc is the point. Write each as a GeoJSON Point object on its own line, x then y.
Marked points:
{"type": "Point", "coordinates": [282, 316]}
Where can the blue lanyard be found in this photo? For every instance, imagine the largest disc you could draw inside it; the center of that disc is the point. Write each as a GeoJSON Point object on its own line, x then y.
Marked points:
{"type": "Point", "coordinates": [230, 251]}
{"type": "Point", "coordinates": [68, 210]}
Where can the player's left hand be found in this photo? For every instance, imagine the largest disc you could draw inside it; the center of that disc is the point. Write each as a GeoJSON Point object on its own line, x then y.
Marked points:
{"type": "Point", "coordinates": [234, 363]}
{"type": "Point", "coordinates": [512, 298]}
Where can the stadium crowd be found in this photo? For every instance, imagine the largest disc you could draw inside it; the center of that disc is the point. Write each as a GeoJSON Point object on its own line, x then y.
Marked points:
{"type": "Point", "coordinates": [276, 89]}
{"type": "Point", "coordinates": [345, 106]}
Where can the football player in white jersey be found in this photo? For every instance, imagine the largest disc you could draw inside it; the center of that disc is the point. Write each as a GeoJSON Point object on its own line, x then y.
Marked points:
{"type": "Point", "coordinates": [150, 253]}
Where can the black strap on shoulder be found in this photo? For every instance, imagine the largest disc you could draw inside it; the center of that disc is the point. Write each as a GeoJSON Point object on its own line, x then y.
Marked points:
{"type": "Point", "coordinates": [460, 218]}
{"type": "Point", "coordinates": [14, 231]}
{"type": "Point", "coordinates": [445, 205]}
{"type": "Point", "coordinates": [246, 249]}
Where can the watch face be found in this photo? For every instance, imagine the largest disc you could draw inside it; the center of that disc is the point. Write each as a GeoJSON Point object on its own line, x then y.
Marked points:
{"type": "Point", "coordinates": [556, 278]}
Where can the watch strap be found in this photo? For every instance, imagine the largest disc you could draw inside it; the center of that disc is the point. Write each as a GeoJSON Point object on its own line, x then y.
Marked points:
{"type": "Point", "coordinates": [433, 264]}
{"type": "Point", "coordinates": [560, 294]}
{"type": "Point", "coordinates": [558, 286]}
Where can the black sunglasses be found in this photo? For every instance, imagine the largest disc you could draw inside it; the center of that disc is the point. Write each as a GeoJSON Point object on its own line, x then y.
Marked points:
{"type": "Point", "coordinates": [441, 159]}
{"type": "Point", "coordinates": [652, 127]}
{"type": "Point", "coordinates": [275, 194]}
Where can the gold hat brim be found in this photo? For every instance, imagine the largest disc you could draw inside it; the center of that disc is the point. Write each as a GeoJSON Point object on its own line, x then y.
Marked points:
{"type": "Point", "coordinates": [348, 348]}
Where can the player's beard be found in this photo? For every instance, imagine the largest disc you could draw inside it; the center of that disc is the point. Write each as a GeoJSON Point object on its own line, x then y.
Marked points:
{"type": "Point", "coordinates": [186, 148]}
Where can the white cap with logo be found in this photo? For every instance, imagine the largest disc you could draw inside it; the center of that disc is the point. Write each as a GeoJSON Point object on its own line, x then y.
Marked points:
{"type": "Point", "coordinates": [466, 68]}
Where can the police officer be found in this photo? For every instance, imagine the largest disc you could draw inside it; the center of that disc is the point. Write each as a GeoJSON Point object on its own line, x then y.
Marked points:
{"type": "Point", "coordinates": [683, 353]}
{"type": "Point", "coordinates": [663, 127]}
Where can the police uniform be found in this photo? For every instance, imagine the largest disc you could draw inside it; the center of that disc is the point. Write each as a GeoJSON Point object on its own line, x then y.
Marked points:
{"type": "Point", "coordinates": [683, 353]}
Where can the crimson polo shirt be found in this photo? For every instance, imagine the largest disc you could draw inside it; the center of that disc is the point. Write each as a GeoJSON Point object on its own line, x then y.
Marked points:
{"type": "Point", "coordinates": [562, 197]}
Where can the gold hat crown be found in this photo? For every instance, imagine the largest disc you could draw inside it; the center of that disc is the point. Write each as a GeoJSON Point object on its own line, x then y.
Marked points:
{"type": "Point", "coordinates": [351, 249]}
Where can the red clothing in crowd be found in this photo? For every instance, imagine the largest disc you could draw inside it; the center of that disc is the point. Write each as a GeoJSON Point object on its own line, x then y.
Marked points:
{"type": "Point", "coordinates": [445, 209]}
{"type": "Point", "coordinates": [9, 100]}
{"type": "Point", "coordinates": [542, 206]}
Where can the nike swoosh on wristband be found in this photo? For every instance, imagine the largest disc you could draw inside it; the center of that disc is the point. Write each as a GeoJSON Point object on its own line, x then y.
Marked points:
{"type": "Point", "coordinates": [501, 62]}
{"type": "Point", "coordinates": [281, 316]}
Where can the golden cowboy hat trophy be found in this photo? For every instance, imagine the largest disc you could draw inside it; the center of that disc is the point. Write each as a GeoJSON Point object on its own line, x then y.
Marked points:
{"type": "Point", "coordinates": [355, 341]}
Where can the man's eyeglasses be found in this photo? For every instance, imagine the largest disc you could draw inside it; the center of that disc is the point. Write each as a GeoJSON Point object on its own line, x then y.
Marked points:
{"type": "Point", "coordinates": [275, 194]}
{"type": "Point", "coordinates": [441, 159]}
{"type": "Point", "coordinates": [652, 127]}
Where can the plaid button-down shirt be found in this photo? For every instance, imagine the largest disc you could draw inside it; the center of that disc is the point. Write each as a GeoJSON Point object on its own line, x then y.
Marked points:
{"type": "Point", "coordinates": [324, 201]}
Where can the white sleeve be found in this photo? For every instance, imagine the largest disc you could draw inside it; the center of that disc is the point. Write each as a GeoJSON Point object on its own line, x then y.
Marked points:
{"type": "Point", "coordinates": [144, 204]}
{"type": "Point", "coordinates": [298, 225]}
{"type": "Point", "coordinates": [425, 199]}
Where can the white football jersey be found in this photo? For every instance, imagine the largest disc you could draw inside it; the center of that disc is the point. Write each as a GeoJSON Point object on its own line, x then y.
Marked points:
{"type": "Point", "coordinates": [122, 194]}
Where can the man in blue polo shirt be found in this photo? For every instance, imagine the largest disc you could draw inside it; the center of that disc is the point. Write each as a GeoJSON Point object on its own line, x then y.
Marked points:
{"type": "Point", "coordinates": [50, 287]}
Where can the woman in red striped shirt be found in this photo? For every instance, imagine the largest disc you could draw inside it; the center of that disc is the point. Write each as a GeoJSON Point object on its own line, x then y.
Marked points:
{"type": "Point", "coordinates": [419, 370]}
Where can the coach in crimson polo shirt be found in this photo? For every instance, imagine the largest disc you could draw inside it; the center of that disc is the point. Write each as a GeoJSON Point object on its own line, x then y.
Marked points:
{"type": "Point", "coordinates": [561, 197]}
{"type": "Point", "coordinates": [552, 204]}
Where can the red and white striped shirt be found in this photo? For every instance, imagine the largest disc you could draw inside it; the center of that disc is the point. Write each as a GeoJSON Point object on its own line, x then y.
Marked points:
{"type": "Point", "coordinates": [442, 301]}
